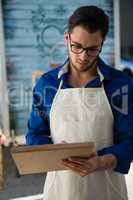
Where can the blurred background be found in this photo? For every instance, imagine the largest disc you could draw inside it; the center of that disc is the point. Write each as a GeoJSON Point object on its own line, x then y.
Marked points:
{"type": "Point", "coordinates": [31, 43]}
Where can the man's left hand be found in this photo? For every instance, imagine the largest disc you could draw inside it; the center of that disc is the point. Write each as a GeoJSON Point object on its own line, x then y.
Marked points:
{"type": "Point", "coordinates": [85, 165]}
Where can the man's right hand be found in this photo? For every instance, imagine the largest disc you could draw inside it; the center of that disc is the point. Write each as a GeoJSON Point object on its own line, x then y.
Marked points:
{"type": "Point", "coordinates": [2, 139]}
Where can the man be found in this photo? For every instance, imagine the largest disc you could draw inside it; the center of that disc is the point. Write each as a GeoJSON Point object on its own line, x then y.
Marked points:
{"type": "Point", "coordinates": [81, 101]}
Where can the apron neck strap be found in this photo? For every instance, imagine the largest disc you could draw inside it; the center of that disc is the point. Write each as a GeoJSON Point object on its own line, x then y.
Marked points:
{"type": "Point", "coordinates": [99, 73]}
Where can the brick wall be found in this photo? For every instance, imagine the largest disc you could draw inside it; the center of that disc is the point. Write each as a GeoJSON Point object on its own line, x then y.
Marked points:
{"type": "Point", "coordinates": [34, 41]}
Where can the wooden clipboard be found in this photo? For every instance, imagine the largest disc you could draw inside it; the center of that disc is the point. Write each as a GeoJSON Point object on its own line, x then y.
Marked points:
{"type": "Point", "coordinates": [43, 158]}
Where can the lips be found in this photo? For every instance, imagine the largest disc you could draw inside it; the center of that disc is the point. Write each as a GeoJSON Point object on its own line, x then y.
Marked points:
{"type": "Point", "coordinates": [83, 63]}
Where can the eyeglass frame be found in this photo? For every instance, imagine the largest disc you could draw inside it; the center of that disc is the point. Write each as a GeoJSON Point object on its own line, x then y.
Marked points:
{"type": "Point", "coordinates": [85, 49]}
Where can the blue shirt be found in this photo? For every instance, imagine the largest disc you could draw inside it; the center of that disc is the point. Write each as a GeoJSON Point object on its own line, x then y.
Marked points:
{"type": "Point", "coordinates": [119, 90]}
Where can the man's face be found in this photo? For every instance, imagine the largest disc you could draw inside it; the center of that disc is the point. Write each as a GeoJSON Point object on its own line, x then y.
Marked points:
{"type": "Point", "coordinates": [82, 60]}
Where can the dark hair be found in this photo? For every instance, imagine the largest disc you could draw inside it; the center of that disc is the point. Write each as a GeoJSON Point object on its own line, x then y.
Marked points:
{"type": "Point", "coordinates": [91, 18]}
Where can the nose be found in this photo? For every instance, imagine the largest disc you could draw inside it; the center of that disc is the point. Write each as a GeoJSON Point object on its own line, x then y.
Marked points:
{"type": "Point", "coordinates": [83, 56]}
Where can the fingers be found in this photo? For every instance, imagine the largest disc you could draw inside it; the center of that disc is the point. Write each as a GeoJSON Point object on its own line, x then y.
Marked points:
{"type": "Point", "coordinates": [78, 172]}
{"type": "Point", "coordinates": [82, 165]}
{"type": "Point", "coordinates": [78, 160]}
{"type": "Point", "coordinates": [63, 142]}
{"type": "Point", "coordinates": [82, 158]}
{"type": "Point", "coordinates": [78, 168]}
{"type": "Point", "coordinates": [2, 139]}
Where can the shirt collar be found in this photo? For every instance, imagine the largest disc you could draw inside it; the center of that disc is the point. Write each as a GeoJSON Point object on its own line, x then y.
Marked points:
{"type": "Point", "coordinates": [103, 70]}
{"type": "Point", "coordinates": [64, 69]}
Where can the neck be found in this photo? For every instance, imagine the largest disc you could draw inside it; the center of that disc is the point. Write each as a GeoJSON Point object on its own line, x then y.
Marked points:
{"type": "Point", "coordinates": [78, 79]}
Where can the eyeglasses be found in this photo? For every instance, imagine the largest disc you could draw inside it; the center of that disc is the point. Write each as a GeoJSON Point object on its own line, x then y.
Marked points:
{"type": "Point", "coordinates": [90, 51]}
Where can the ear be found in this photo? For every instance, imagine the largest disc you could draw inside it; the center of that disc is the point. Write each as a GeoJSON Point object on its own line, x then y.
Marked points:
{"type": "Point", "coordinates": [66, 37]}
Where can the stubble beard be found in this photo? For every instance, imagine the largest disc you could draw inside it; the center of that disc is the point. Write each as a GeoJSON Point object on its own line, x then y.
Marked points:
{"type": "Point", "coordinates": [87, 68]}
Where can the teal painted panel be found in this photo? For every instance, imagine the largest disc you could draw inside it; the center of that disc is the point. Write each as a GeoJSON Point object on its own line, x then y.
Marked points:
{"type": "Point", "coordinates": [34, 41]}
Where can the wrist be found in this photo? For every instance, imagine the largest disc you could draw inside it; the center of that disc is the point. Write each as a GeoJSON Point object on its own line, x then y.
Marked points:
{"type": "Point", "coordinates": [107, 162]}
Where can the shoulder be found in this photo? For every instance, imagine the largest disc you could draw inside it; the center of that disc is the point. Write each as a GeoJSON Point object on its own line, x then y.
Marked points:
{"type": "Point", "coordinates": [115, 76]}
{"type": "Point", "coordinates": [116, 81]}
{"type": "Point", "coordinates": [119, 76]}
{"type": "Point", "coordinates": [49, 78]}
{"type": "Point", "coordinates": [121, 83]}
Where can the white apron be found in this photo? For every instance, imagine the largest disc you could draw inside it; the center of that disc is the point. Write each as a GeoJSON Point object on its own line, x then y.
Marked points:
{"type": "Point", "coordinates": [81, 115]}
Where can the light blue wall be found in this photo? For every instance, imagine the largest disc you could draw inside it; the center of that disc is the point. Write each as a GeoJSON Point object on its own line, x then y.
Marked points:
{"type": "Point", "coordinates": [34, 40]}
